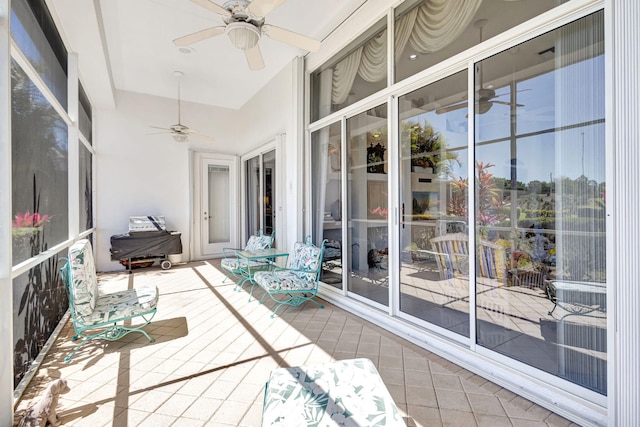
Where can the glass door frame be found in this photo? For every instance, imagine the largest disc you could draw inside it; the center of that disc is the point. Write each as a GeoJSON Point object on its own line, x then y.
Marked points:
{"type": "Point", "coordinates": [272, 145]}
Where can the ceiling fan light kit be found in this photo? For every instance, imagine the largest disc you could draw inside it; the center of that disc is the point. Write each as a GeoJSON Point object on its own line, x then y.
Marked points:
{"type": "Point", "coordinates": [180, 137]}
{"type": "Point", "coordinates": [243, 35]}
{"type": "Point", "coordinates": [245, 25]}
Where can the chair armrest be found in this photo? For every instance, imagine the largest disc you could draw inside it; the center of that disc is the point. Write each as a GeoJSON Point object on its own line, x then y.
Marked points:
{"type": "Point", "coordinates": [294, 270]}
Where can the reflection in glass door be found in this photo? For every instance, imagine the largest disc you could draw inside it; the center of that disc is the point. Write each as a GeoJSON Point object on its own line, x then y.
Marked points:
{"type": "Point", "coordinates": [434, 275]}
{"type": "Point", "coordinates": [326, 182]}
{"type": "Point", "coordinates": [252, 193]}
{"type": "Point", "coordinates": [260, 193]}
{"type": "Point", "coordinates": [268, 193]}
{"type": "Point", "coordinates": [540, 204]}
{"type": "Point", "coordinates": [367, 208]}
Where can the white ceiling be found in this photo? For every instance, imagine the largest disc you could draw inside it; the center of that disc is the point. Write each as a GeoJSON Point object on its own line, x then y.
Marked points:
{"type": "Point", "coordinates": [127, 45]}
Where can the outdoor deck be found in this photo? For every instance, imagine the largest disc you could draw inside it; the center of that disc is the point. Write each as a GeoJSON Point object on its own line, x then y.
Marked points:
{"type": "Point", "coordinates": [214, 351]}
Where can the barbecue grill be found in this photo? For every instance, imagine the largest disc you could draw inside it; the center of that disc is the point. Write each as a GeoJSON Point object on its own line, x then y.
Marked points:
{"type": "Point", "coordinates": [146, 242]}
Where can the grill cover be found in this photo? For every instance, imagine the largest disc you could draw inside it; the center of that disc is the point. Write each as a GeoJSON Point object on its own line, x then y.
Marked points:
{"type": "Point", "coordinates": [145, 244]}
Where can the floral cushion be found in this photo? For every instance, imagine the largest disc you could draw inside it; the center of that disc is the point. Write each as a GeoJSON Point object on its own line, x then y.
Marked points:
{"type": "Point", "coordinates": [124, 304]}
{"type": "Point", "coordinates": [282, 280]}
{"type": "Point", "coordinates": [237, 264]}
{"type": "Point", "coordinates": [345, 393]}
{"type": "Point", "coordinates": [255, 243]}
{"type": "Point", "coordinates": [83, 278]}
{"type": "Point", "coordinates": [305, 257]}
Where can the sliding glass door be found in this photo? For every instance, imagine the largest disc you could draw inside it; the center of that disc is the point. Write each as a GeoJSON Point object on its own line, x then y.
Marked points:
{"type": "Point", "coordinates": [540, 203]}
{"type": "Point", "coordinates": [260, 193]}
{"type": "Point", "coordinates": [433, 139]}
{"type": "Point", "coordinates": [367, 205]}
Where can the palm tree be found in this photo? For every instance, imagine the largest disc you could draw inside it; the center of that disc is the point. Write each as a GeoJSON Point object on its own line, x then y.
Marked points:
{"type": "Point", "coordinates": [428, 147]}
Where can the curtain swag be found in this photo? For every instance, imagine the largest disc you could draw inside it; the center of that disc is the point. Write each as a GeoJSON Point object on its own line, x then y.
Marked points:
{"type": "Point", "coordinates": [427, 28]}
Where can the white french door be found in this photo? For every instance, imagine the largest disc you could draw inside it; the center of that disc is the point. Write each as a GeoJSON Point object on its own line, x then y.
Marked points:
{"type": "Point", "coordinates": [260, 192]}
{"type": "Point", "coordinates": [215, 204]}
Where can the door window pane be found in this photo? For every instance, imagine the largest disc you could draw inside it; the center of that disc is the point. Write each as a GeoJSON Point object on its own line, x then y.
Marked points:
{"type": "Point", "coordinates": [434, 273]}
{"type": "Point", "coordinates": [269, 185]}
{"type": "Point", "coordinates": [367, 205]}
{"type": "Point", "coordinates": [252, 170]}
{"type": "Point", "coordinates": [540, 203]}
{"type": "Point", "coordinates": [219, 196]}
{"type": "Point", "coordinates": [39, 151]}
{"type": "Point", "coordinates": [326, 182]}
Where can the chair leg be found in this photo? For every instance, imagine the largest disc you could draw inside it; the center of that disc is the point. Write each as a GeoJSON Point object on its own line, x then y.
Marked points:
{"type": "Point", "coordinates": [253, 285]}
{"type": "Point", "coordinates": [240, 284]}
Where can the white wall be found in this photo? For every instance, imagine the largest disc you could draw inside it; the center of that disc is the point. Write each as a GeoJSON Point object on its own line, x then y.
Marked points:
{"type": "Point", "coordinates": [142, 174]}
{"type": "Point", "coordinates": [269, 113]}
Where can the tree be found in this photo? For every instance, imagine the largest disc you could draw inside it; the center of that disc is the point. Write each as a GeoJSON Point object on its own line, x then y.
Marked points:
{"type": "Point", "coordinates": [428, 148]}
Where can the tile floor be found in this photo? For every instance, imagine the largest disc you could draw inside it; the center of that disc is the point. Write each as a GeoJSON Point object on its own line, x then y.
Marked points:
{"type": "Point", "coordinates": [214, 351]}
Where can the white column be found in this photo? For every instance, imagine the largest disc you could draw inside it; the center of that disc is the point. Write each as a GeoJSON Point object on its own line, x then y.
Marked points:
{"type": "Point", "coordinates": [623, 208]}
{"type": "Point", "coordinates": [6, 288]}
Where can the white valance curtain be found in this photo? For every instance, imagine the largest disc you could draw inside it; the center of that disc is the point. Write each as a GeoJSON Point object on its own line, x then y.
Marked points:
{"type": "Point", "coordinates": [427, 28]}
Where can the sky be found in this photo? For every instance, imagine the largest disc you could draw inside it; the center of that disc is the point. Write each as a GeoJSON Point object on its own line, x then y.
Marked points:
{"type": "Point", "coordinates": [562, 99]}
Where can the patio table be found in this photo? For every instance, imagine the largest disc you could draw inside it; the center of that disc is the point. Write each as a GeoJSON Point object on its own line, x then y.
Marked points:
{"type": "Point", "coordinates": [267, 258]}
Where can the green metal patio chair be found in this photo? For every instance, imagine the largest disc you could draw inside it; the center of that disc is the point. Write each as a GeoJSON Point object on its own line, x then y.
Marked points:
{"type": "Point", "coordinates": [238, 267]}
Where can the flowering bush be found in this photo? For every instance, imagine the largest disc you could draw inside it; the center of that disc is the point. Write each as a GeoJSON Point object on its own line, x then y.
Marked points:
{"type": "Point", "coordinates": [489, 198]}
{"type": "Point", "coordinates": [28, 219]}
{"type": "Point", "coordinates": [383, 212]}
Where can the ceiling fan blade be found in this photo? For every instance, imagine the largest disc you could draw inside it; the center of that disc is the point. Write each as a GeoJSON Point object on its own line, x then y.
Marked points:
{"type": "Point", "coordinates": [506, 103]}
{"type": "Point", "coordinates": [254, 58]}
{"type": "Point", "coordinates": [198, 36]}
{"type": "Point", "coordinates": [263, 7]}
{"type": "Point", "coordinates": [199, 135]}
{"type": "Point", "coordinates": [213, 7]}
{"type": "Point", "coordinates": [289, 37]}
{"type": "Point", "coordinates": [451, 108]}
{"type": "Point", "coordinates": [156, 127]}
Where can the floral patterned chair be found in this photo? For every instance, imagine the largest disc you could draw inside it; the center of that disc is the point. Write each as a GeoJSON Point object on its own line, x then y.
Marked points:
{"type": "Point", "coordinates": [238, 267]}
{"type": "Point", "coordinates": [99, 316]}
{"type": "Point", "coordinates": [299, 281]}
{"type": "Point", "coordinates": [343, 393]}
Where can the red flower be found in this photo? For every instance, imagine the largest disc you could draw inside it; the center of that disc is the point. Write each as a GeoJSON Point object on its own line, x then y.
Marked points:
{"type": "Point", "coordinates": [29, 220]}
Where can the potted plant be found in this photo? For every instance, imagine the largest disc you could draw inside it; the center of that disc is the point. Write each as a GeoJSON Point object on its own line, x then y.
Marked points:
{"type": "Point", "coordinates": [428, 148]}
{"type": "Point", "coordinates": [25, 232]}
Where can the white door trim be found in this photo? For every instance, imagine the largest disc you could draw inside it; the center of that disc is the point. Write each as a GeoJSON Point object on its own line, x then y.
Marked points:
{"type": "Point", "coordinates": [198, 158]}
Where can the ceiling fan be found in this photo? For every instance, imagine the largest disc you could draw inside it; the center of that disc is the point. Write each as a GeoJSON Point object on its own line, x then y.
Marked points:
{"type": "Point", "coordinates": [485, 96]}
{"type": "Point", "coordinates": [244, 24]}
{"type": "Point", "coordinates": [180, 132]}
